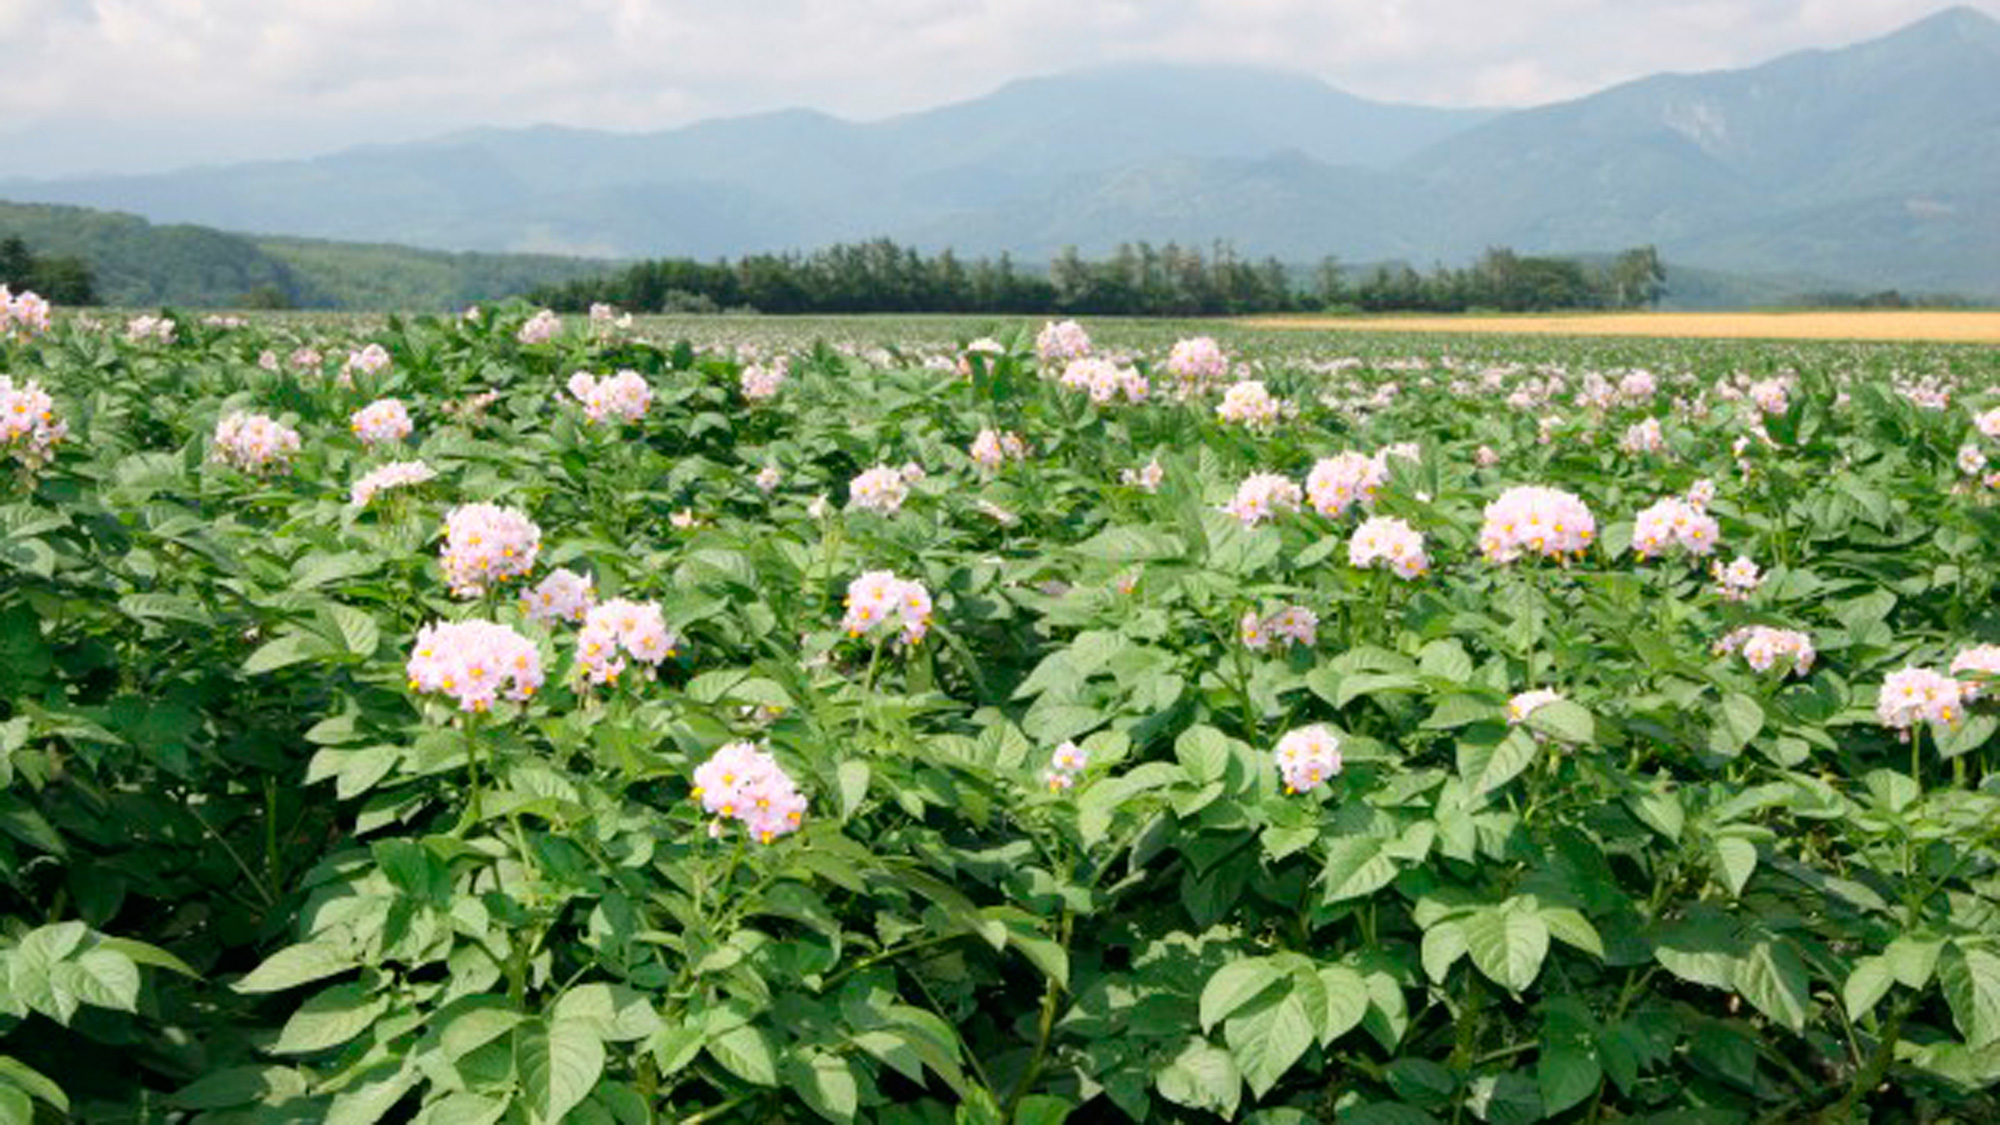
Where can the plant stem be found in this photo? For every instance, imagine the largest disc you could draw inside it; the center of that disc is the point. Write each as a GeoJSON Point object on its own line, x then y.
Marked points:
{"type": "Point", "coordinates": [1044, 1031]}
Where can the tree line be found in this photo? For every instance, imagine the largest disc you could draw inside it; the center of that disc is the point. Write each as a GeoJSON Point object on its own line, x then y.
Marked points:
{"type": "Point", "coordinates": [61, 280]}
{"type": "Point", "coordinates": [1138, 279]}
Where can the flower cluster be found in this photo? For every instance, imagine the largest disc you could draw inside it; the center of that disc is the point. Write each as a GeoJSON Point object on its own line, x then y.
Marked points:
{"type": "Point", "coordinates": [1062, 341]}
{"type": "Point", "coordinates": [1533, 520]}
{"type": "Point", "coordinates": [1146, 478]}
{"type": "Point", "coordinates": [880, 489]}
{"type": "Point", "coordinates": [746, 784]}
{"type": "Point", "coordinates": [622, 397]}
{"type": "Point", "coordinates": [475, 662]}
{"type": "Point", "coordinates": [1249, 404]}
{"type": "Point", "coordinates": [1919, 695]}
{"type": "Point", "coordinates": [159, 329]}
{"type": "Point", "coordinates": [761, 383]}
{"type": "Point", "coordinates": [306, 359]}
{"type": "Point", "coordinates": [768, 478]}
{"type": "Point", "coordinates": [1772, 396]}
{"type": "Point", "coordinates": [1307, 757]}
{"type": "Point", "coordinates": [1337, 483]}
{"type": "Point", "coordinates": [254, 443]}
{"type": "Point", "coordinates": [605, 317]}
{"type": "Point", "coordinates": [384, 420]}
{"type": "Point", "coordinates": [22, 315]}
{"type": "Point", "coordinates": [638, 629]}
{"type": "Point", "coordinates": [371, 360]}
{"type": "Point", "coordinates": [1104, 380]}
{"type": "Point", "coordinates": [1528, 702]}
{"type": "Point", "coordinates": [987, 348]}
{"type": "Point", "coordinates": [1294, 623]}
{"type": "Point", "coordinates": [1197, 366]}
{"type": "Point", "coordinates": [395, 474]}
{"type": "Point", "coordinates": [993, 448]}
{"type": "Point", "coordinates": [486, 544]}
{"type": "Point", "coordinates": [564, 595]}
{"type": "Point", "coordinates": [1262, 497]}
{"type": "Point", "coordinates": [879, 597]}
{"type": "Point", "coordinates": [1988, 423]}
{"type": "Point", "coordinates": [1065, 766]}
{"type": "Point", "coordinates": [1390, 542]}
{"type": "Point", "coordinates": [1979, 660]}
{"type": "Point", "coordinates": [1671, 523]}
{"type": "Point", "coordinates": [1644, 437]}
{"type": "Point", "coordinates": [540, 328]}
{"type": "Point", "coordinates": [1764, 647]}
{"type": "Point", "coordinates": [29, 428]}
{"type": "Point", "coordinates": [1736, 581]}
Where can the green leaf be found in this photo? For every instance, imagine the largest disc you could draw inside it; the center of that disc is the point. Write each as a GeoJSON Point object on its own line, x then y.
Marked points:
{"type": "Point", "coordinates": [1356, 867]}
{"type": "Point", "coordinates": [329, 1019]}
{"type": "Point", "coordinates": [367, 1101]}
{"type": "Point", "coordinates": [1869, 981]}
{"type": "Point", "coordinates": [34, 1082]}
{"type": "Point", "coordinates": [1487, 766]}
{"type": "Point", "coordinates": [1969, 735]}
{"type": "Point", "coordinates": [853, 779]}
{"type": "Point", "coordinates": [15, 1108]}
{"type": "Point", "coordinates": [1566, 1073]}
{"type": "Point", "coordinates": [1267, 1038]}
{"type": "Point", "coordinates": [1445, 660]}
{"type": "Point", "coordinates": [1203, 752]}
{"type": "Point", "coordinates": [463, 1108]}
{"type": "Point", "coordinates": [1233, 986]}
{"type": "Point", "coordinates": [285, 651]}
{"type": "Point", "coordinates": [472, 1022]}
{"type": "Point", "coordinates": [616, 1013]}
{"type": "Point", "coordinates": [1771, 976]}
{"type": "Point", "coordinates": [1043, 1109]}
{"type": "Point", "coordinates": [1358, 684]}
{"type": "Point", "coordinates": [1735, 861]}
{"type": "Point", "coordinates": [1737, 721]}
{"type": "Point", "coordinates": [354, 629]}
{"type": "Point", "coordinates": [145, 954]}
{"type": "Point", "coordinates": [977, 1107]}
{"type": "Point", "coordinates": [746, 1052]}
{"type": "Point", "coordinates": [1507, 944]}
{"type": "Point", "coordinates": [1913, 959]}
{"type": "Point", "coordinates": [1571, 928]}
{"type": "Point", "coordinates": [1443, 945]}
{"type": "Point", "coordinates": [1346, 1002]}
{"type": "Point", "coordinates": [100, 978]}
{"type": "Point", "coordinates": [1202, 1076]}
{"type": "Point", "coordinates": [1970, 977]}
{"type": "Point", "coordinates": [295, 965]}
{"type": "Point", "coordinates": [824, 1082]}
{"type": "Point", "coordinates": [239, 1085]}
{"type": "Point", "coordinates": [1563, 721]}
{"type": "Point", "coordinates": [558, 1063]}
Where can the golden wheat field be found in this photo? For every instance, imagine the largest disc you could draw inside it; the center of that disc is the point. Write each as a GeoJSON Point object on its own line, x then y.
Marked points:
{"type": "Point", "coordinates": [1953, 326]}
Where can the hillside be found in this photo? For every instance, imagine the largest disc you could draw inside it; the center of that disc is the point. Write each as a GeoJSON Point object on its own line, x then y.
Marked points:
{"type": "Point", "coordinates": [1869, 165]}
{"type": "Point", "coordinates": [138, 264]}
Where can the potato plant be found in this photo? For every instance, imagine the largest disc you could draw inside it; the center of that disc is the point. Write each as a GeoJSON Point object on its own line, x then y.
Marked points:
{"type": "Point", "coordinates": [923, 729]}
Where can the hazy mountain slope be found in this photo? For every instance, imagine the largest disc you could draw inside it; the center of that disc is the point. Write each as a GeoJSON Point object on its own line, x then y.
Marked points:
{"type": "Point", "coordinates": [774, 180]}
{"type": "Point", "coordinates": [1774, 155]}
{"type": "Point", "coordinates": [1870, 164]}
{"type": "Point", "coordinates": [137, 264]}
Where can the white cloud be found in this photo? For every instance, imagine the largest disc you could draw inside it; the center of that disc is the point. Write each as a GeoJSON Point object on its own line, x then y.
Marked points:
{"type": "Point", "coordinates": [176, 81]}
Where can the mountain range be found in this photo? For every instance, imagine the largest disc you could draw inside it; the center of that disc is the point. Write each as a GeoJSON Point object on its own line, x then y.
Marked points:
{"type": "Point", "coordinates": [1872, 165]}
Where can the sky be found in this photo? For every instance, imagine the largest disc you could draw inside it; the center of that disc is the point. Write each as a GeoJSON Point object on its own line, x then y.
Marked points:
{"type": "Point", "coordinates": [142, 85]}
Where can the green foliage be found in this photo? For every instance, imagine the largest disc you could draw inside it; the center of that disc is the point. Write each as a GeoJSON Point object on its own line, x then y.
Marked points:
{"type": "Point", "coordinates": [247, 874]}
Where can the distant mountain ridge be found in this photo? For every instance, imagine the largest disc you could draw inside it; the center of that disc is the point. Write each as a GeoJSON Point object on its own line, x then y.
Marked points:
{"type": "Point", "coordinates": [1873, 165]}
